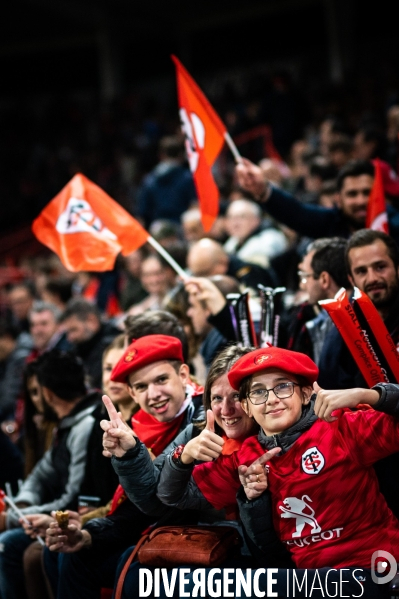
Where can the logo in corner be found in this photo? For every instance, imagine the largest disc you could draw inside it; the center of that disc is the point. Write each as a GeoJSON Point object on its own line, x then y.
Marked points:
{"type": "Point", "coordinates": [261, 359]}
{"type": "Point", "coordinates": [383, 567]}
{"type": "Point", "coordinates": [130, 355]}
{"type": "Point", "coordinates": [312, 461]}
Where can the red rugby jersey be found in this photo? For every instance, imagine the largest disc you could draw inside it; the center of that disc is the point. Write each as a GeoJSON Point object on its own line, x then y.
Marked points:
{"type": "Point", "coordinates": [327, 506]}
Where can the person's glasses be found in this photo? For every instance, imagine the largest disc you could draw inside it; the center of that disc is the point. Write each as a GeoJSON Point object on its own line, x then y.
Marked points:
{"type": "Point", "coordinates": [304, 276]}
{"type": "Point", "coordinates": [282, 391]}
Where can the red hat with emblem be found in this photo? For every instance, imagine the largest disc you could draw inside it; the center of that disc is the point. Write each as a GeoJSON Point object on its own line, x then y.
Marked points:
{"type": "Point", "coordinates": [262, 359]}
{"type": "Point", "coordinates": [146, 350]}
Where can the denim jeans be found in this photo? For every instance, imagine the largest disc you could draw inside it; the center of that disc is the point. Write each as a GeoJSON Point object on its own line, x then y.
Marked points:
{"type": "Point", "coordinates": [80, 575]}
{"type": "Point", "coordinates": [12, 546]}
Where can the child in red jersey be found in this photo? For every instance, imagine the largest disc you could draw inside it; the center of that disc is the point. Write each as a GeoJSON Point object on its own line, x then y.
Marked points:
{"type": "Point", "coordinates": [319, 492]}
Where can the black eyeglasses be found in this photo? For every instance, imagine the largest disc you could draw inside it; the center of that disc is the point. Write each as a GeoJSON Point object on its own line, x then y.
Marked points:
{"type": "Point", "coordinates": [282, 391]}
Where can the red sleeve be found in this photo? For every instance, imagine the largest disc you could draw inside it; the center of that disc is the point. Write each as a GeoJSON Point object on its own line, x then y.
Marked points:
{"type": "Point", "coordinates": [369, 435]}
{"type": "Point", "coordinates": [218, 481]}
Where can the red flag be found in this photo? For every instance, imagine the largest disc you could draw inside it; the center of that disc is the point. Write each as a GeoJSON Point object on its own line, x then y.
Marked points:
{"type": "Point", "coordinates": [377, 217]}
{"type": "Point", "coordinates": [204, 132]}
{"type": "Point", "coordinates": [86, 228]}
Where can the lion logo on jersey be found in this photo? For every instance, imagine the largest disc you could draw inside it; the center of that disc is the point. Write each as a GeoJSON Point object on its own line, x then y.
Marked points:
{"type": "Point", "coordinates": [302, 512]}
{"type": "Point", "coordinates": [194, 133]}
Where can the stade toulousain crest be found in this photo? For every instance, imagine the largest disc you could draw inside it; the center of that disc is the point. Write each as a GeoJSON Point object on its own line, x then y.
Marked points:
{"type": "Point", "coordinates": [79, 217]}
{"type": "Point", "coordinates": [312, 461]}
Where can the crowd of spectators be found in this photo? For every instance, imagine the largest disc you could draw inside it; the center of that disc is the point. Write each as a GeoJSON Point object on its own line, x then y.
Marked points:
{"type": "Point", "coordinates": [47, 139]}
{"type": "Point", "coordinates": [151, 341]}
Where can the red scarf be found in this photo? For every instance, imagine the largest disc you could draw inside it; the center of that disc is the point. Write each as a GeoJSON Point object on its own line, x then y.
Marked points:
{"type": "Point", "coordinates": [154, 434]}
{"type": "Point", "coordinates": [231, 445]}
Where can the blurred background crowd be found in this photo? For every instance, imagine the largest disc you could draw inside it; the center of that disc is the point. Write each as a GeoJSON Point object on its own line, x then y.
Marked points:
{"type": "Point", "coordinates": [304, 88]}
{"type": "Point", "coordinates": [103, 102]}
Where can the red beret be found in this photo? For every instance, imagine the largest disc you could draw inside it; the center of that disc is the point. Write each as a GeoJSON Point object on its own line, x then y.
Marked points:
{"type": "Point", "coordinates": [146, 350]}
{"type": "Point", "coordinates": [273, 357]}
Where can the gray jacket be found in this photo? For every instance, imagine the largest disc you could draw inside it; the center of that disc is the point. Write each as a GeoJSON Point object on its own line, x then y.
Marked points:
{"type": "Point", "coordinates": [55, 481]}
{"type": "Point", "coordinates": [177, 488]}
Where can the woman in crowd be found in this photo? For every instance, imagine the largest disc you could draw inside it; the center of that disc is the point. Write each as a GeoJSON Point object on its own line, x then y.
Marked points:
{"type": "Point", "coordinates": [117, 392]}
{"type": "Point", "coordinates": [39, 420]}
{"type": "Point", "coordinates": [319, 492]}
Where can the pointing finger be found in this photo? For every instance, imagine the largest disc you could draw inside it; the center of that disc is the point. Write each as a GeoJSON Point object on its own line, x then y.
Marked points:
{"type": "Point", "coordinates": [266, 457]}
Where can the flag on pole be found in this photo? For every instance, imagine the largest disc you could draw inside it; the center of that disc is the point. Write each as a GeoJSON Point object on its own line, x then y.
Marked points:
{"type": "Point", "coordinates": [86, 228]}
{"type": "Point", "coordinates": [377, 217]}
{"type": "Point", "coordinates": [205, 136]}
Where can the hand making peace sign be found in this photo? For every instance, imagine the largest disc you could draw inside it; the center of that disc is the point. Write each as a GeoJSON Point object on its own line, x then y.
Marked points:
{"type": "Point", "coordinates": [118, 438]}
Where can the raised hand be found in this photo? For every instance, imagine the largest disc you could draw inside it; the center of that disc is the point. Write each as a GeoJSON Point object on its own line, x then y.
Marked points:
{"type": "Point", "coordinates": [205, 290]}
{"type": "Point", "coordinates": [70, 540]}
{"type": "Point", "coordinates": [251, 178]}
{"type": "Point", "coordinates": [254, 478]}
{"type": "Point", "coordinates": [118, 438]}
{"type": "Point", "coordinates": [329, 400]}
{"type": "Point", "coordinates": [207, 446]}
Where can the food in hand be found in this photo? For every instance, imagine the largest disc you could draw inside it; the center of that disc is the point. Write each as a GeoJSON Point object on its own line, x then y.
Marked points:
{"type": "Point", "coordinates": [62, 519]}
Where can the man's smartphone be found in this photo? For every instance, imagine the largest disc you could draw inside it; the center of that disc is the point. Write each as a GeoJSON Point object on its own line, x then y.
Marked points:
{"type": "Point", "coordinates": [87, 503]}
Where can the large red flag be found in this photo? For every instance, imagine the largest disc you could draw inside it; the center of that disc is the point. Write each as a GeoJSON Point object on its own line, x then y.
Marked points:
{"type": "Point", "coordinates": [204, 133]}
{"type": "Point", "coordinates": [86, 228]}
{"type": "Point", "coordinates": [377, 217]}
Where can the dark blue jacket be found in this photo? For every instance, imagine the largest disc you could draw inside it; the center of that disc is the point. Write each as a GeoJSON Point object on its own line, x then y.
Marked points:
{"type": "Point", "coordinates": [166, 192]}
{"type": "Point", "coordinates": [317, 221]}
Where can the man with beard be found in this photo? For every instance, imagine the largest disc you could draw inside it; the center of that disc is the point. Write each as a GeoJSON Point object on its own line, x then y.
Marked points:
{"type": "Point", "coordinates": [372, 260]}
{"type": "Point", "coordinates": [354, 183]}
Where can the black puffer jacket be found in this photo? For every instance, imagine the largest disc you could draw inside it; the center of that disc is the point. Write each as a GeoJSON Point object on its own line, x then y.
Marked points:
{"type": "Point", "coordinates": [139, 475]}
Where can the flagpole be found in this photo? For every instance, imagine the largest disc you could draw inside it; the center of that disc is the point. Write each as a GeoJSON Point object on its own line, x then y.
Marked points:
{"type": "Point", "coordinates": [161, 250]}
{"type": "Point", "coordinates": [233, 147]}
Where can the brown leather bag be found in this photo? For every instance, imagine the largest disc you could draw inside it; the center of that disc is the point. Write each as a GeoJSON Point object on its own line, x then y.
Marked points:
{"type": "Point", "coordinates": [174, 546]}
